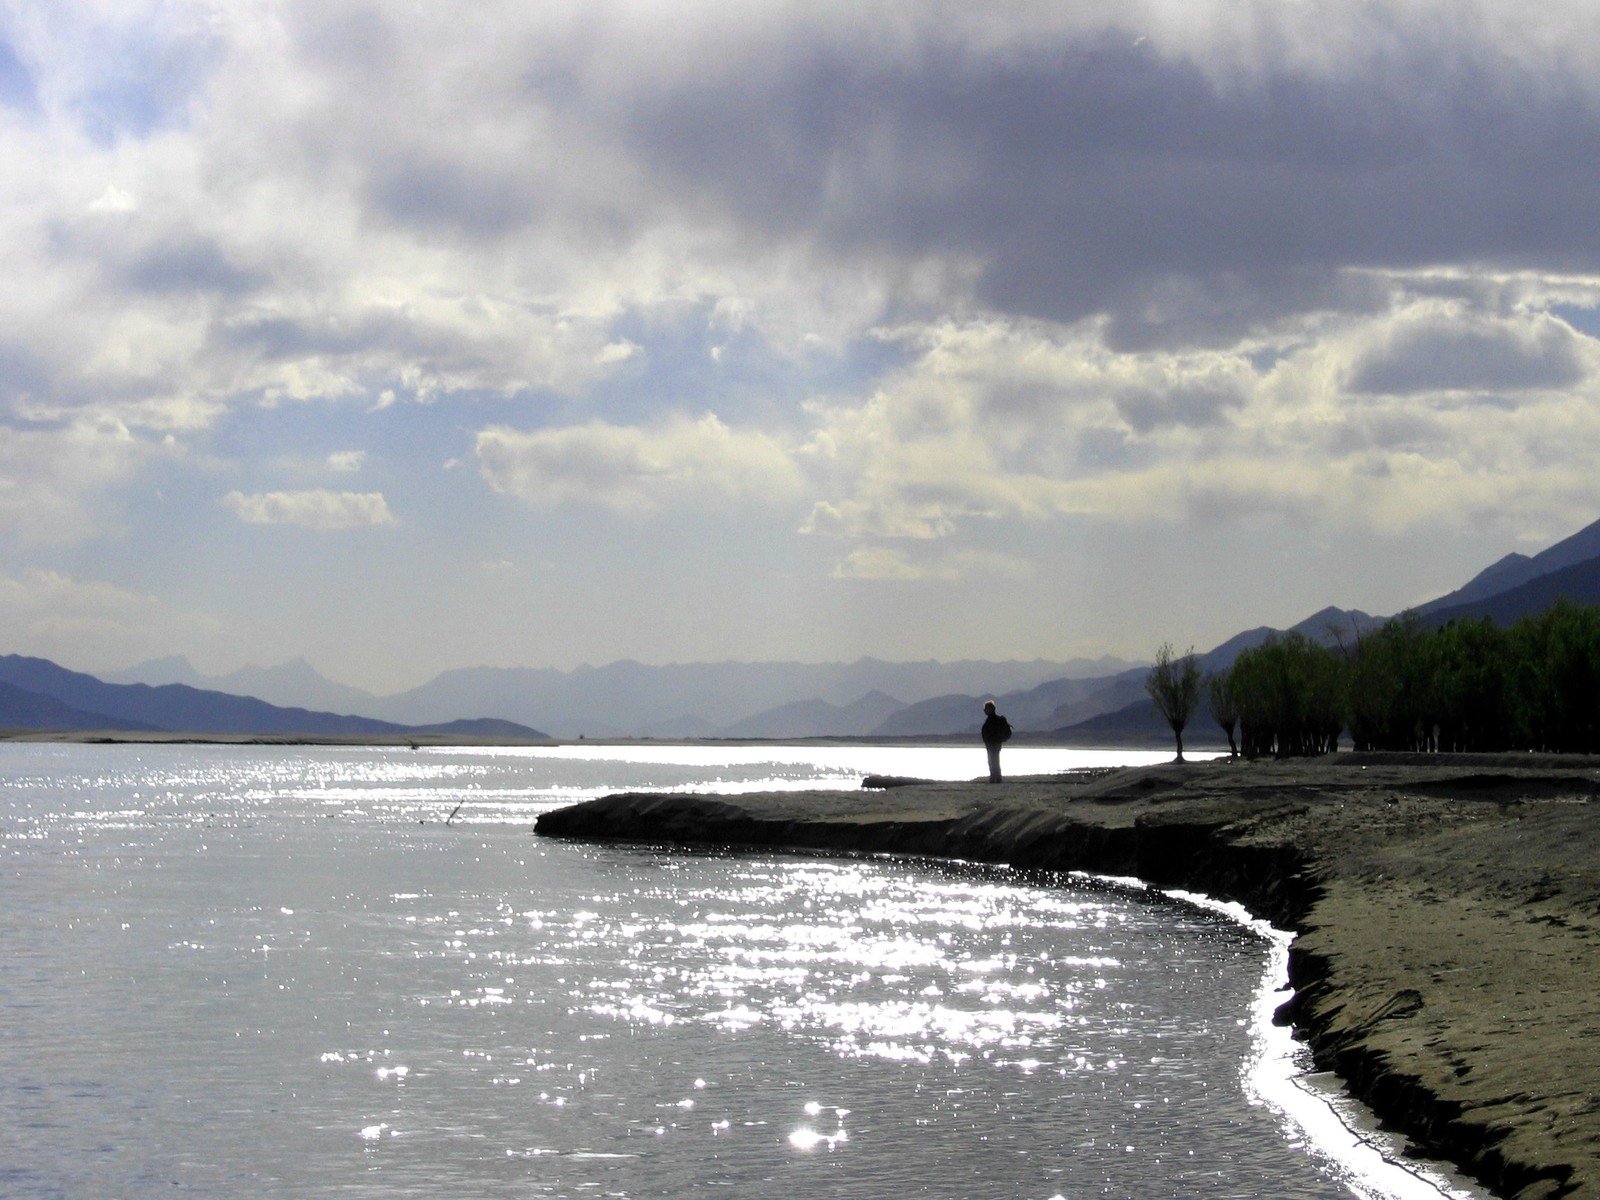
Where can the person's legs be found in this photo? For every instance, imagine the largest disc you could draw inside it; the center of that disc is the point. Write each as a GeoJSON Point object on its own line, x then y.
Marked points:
{"type": "Point", "coordinates": [994, 763]}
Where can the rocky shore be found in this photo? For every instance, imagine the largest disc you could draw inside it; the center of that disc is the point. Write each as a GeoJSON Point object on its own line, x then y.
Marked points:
{"type": "Point", "coordinates": [1446, 912]}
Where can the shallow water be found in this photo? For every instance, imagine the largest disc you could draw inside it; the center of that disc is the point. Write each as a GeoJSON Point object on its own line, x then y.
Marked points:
{"type": "Point", "coordinates": [246, 971]}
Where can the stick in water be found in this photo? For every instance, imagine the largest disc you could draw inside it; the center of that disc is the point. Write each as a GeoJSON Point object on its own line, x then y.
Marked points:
{"type": "Point", "coordinates": [453, 813]}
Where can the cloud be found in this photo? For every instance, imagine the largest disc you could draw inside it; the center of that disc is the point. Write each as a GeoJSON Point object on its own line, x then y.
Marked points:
{"type": "Point", "coordinates": [87, 622]}
{"type": "Point", "coordinates": [319, 215]}
{"type": "Point", "coordinates": [1001, 419]}
{"type": "Point", "coordinates": [638, 470]}
{"type": "Point", "coordinates": [896, 565]}
{"type": "Point", "coordinates": [38, 592]}
{"type": "Point", "coordinates": [876, 562]}
{"type": "Point", "coordinates": [1027, 270]}
{"type": "Point", "coordinates": [313, 509]}
{"type": "Point", "coordinates": [188, 266]}
{"type": "Point", "coordinates": [114, 200]}
{"type": "Point", "coordinates": [1439, 350]}
{"type": "Point", "coordinates": [1032, 421]}
{"type": "Point", "coordinates": [55, 482]}
{"type": "Point", "coordinates": [615, 352]}
{"type": "Point", "coordinates": [1092, 160]}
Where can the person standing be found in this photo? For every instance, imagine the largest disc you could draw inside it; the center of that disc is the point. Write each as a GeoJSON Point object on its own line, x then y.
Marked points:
{"type": "Point", "coordinates": [996, 732]}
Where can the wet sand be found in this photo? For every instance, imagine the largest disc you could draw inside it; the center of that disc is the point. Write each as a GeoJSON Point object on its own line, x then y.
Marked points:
{"type": "Point", "coordinates": [1446, 912]}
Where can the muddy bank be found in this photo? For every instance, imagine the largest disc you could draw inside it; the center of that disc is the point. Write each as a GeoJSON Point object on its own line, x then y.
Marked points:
{"type": "Point", "coordinates": [1446, 912]}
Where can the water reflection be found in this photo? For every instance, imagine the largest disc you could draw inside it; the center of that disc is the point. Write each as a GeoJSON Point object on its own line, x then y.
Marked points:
{"type": "Point", "coordinates": [233, 972]}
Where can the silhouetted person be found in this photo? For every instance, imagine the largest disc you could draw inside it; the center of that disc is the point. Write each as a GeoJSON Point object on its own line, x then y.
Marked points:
{"type": "Point", "coordinates": [996, 732]}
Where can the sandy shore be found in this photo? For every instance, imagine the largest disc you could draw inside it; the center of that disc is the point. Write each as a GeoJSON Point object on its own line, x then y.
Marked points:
{"type": "Point", "coordinates": [1446, 912]}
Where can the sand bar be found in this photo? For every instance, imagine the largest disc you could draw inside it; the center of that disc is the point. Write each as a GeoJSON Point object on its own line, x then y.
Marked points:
{"type": "Point", "coordinates": [1446, 910]}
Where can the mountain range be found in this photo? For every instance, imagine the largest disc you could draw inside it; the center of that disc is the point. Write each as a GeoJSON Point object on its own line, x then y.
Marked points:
{"type": "Point", "coordinates": [631, 699]}
{"type": "Point", "coordinates": [1514, 587]}
{"type": "Point", "coordinates": [38, 694]}
{"type": "Point", "coordinates": [1084, 701]}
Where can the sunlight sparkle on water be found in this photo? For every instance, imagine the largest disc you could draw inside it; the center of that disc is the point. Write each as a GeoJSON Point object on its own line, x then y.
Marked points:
{"type": "Point", "coordinates": [478, 1012]}
{"type": "Point", "coordinates": [840, 975]}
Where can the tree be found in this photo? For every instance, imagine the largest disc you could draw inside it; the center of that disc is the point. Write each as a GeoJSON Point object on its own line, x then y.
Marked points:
{"type": "Point", "coordinates": [1394, 688]}
{"type": "Point", "coordinates": [1467, 686]}
{"type": "Point", "coordinates": [1473, 671]}
{"type": "Point", "coordinates": [1174, 684]}
{"type": "Point", "coordinates": [1224, 708]}
{"type": "Point", "coordinates": [1289, 694]}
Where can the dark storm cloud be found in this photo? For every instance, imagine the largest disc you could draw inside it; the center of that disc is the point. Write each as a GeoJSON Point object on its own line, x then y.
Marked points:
{"type": "Point", "coordinates": [477, 200]}
{"type": "Point", "coordinates": [1407, 429]}
{"type": "Point", "coordinates": [1194, 404]}
{"type": "Point", "coordinates": [1225, 307]}
{"type": "Point", "coordinates": [189, 265]}
{"type": "Point", "coordinates": [1087, 172]}
{"type": "Point", "coordinates": [291, 339]}
{"type": "Point", "coordinates": [1455, 355]}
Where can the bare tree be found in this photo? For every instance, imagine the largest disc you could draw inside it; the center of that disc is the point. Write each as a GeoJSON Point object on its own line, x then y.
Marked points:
{"type": "Point", "coordinates": [1174, 684]}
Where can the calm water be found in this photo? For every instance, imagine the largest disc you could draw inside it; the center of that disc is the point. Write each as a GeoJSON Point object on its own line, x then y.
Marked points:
{"type": "Point", "coordinates": [277, 972]}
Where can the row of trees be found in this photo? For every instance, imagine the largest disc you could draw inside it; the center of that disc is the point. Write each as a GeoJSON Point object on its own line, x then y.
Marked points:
{"type": "Point", "coordinates": [1467, 686]}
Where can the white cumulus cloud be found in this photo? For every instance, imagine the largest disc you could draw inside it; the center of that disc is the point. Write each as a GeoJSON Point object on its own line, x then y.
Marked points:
{"type": "Point", "coordinates": [638, 469]}
{"type": "Point", "coordinates": [316, 508]}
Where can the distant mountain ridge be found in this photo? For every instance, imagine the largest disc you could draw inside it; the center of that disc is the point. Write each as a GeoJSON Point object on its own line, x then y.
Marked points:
{"type": "Point", "coordinates": [39, 694]}
{"type": "Point", "coordinates": [626, 698]}
{"type": "Point", "coordinates": [1514, 570]}
{"type": "Point", "coordinates": [294, 684]}
{"type": "Point", "coordinates": [816, 718]}
{"type": "Point", "coordinates": [1579, 583]}
{"type": "Point", "coordinates": [1514, 587]}
{"type": "Point", "coordinates": [22, 709]}
{"type": "Point", "coordinates": [1080, 700]}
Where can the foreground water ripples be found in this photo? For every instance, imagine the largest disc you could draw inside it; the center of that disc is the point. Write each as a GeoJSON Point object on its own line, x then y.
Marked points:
{"type": "Point", "coordinates": [244, 971]}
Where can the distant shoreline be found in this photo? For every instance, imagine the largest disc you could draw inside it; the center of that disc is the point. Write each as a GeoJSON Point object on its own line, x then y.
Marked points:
{"type": "Point", "coordinates": [1446, 911]}
{"type": "Point", "coordinates": [140, 737]}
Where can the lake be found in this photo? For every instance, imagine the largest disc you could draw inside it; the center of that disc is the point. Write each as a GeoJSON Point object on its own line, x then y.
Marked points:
{"type": "Point", "coordinates": [277, 971]}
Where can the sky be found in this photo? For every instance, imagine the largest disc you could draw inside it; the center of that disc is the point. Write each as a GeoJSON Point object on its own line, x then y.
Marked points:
{"type": "Point", "coordinates": [404, 337]}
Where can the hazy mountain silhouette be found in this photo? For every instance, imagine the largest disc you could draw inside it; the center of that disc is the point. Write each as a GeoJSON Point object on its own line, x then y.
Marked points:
{"type": "Point", "coordinates": [20, 709]}
{"type": "Point", "coordinates": [157, 672]}
{"type": "Point", "coordinates": [816, 718]}
{"type": "Point", "coordinates": [626, 698]}
{"type": "Point", "coordinates": [295, 684]}
{"type": "Point", "coordinates": [179, 708]}
{"type": "Point", "coordinates": [1514, 570]}
{"type": "Point", "coordinates": [1029, 708]}
{"type": "Point", "coordinates": [1579, 583]}
{"type": "Point", "coordinates": [1077, 699]}
{"type": "Point", "coordinates": [680, 727]}
{"type": "Point", "coordinates": [1139, 724]}
{"type": "Point", "coordinates": [1067, 703]}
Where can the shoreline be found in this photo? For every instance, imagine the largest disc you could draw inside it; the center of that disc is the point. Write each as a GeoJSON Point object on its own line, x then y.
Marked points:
{"type": "Point", "coordinates": [117, 737]}
{"type": "Point", "coordinates": [1445, 912]}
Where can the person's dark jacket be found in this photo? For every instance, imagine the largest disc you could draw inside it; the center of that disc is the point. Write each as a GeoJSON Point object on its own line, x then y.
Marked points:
{"type": "Point", "coordinates": [996, 730]}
